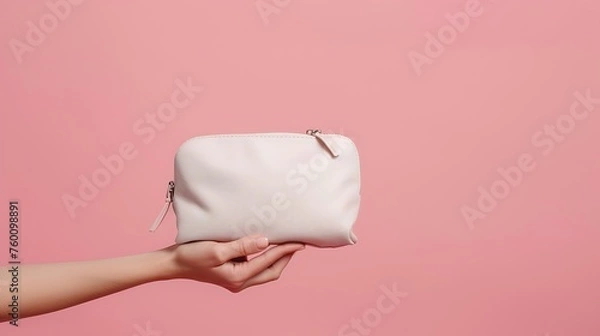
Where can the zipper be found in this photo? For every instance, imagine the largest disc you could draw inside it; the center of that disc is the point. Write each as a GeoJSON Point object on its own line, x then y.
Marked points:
{"type": "Point", "coordinates": [165, 208]}
{"type": "Point", "coordinates": [319, 136]}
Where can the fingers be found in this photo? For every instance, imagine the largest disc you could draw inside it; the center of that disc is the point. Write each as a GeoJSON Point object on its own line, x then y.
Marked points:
{"type": "Point", "coordinates": [272, 273]}
{"type": "Point", "coordinates": [240, 248]}
{"type": "Point", "coordinates": [264, 261]}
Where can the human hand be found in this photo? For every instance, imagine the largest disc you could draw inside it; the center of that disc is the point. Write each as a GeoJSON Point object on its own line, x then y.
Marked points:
{"type": "Point", "coordinates": [227, 265]}
{"type": "Point", "coordinates": [222, 264]}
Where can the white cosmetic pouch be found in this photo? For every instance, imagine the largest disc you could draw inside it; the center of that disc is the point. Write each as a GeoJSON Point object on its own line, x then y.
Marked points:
{"type": "Point", "coordinates": [289, 187]}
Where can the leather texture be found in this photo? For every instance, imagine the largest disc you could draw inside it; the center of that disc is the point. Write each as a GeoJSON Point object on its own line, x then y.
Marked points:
{"type": "Point", "coordinates": [286, 186]}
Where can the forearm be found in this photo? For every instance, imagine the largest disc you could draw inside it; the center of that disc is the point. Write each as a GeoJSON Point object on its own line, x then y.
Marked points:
{"type": "Point", "coordinates": [47, 288]}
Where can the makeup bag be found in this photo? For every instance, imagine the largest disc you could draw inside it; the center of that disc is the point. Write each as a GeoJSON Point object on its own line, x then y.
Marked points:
{"type": "Point", "coordinates": [289, 187]}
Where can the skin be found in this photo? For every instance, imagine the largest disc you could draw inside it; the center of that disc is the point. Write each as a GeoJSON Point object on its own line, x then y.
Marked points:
{"type": "Point", "coordinates": [47, 288]}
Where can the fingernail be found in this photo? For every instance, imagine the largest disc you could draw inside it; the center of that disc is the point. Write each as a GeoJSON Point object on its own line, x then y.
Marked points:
{"type": "Point", "coordinates": [262, 242]}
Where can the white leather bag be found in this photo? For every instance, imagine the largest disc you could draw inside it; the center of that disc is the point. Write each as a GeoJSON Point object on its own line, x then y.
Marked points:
{"type": "Point", "coordinates": [289, 187]}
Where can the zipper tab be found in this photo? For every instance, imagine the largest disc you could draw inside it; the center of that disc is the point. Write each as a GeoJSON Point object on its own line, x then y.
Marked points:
{"type": "Point", "coordinates": [318, 134]}
{"type": "Point", "coordinates": [165, 208]}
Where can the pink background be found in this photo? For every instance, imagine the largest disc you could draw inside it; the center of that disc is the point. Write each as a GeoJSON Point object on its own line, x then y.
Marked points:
{"type": "Point", "coordinates": [427, 143]}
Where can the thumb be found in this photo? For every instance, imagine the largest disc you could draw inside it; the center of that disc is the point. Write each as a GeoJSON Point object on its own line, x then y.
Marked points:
{"type": "Point", "coordinates": [244, 247]}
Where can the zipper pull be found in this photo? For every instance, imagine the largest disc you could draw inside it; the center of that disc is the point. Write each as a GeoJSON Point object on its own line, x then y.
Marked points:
{"type": "Point", "coordinates": [318, 134]}
{"type": "Point", "coordinates": [165, 208]}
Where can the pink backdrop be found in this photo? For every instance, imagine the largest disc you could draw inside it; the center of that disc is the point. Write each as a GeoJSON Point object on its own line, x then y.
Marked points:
{"type": "Point", "coordinates": [442, 99]}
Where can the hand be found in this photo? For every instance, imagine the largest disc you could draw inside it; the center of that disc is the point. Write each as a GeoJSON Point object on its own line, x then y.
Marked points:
{"type": "Point", "coordinates": [222, 264]}
{"type": "Point", "coordinates": [227, 264]}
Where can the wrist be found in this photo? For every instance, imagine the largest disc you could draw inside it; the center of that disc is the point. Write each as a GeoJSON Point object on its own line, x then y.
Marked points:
{"type": "Point", "coordinates": [166, 265]}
